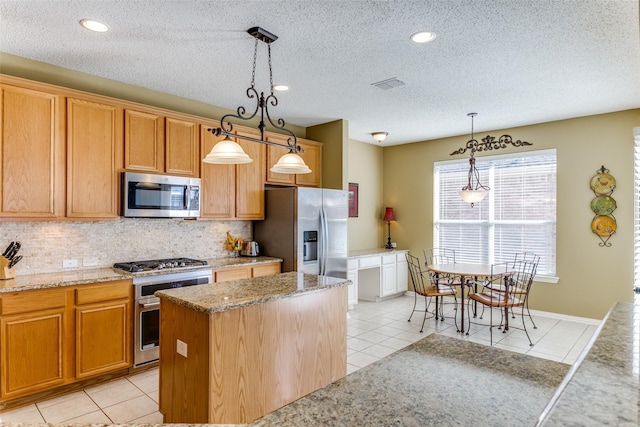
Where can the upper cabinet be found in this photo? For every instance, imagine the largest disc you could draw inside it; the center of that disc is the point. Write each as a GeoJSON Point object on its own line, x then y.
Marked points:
{"type": "Point", "coordinates": [157, 143]}
{"type": "Point", "coordinates": [32, 167]}
{"type": "Point", "coordinates": [312, 156]}
{"type": "Point", "coordinates": [232, 191]}
{"type": "Point", "coordinates": [94, 158]}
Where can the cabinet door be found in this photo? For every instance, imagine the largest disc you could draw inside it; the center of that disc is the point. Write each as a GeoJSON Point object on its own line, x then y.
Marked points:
{"type": "Point", "coordinates": [232, 274]}
{"type": "Point", "coordinates": [31, 352]}
{"type": "Point", "coordinates": [218, 192]}
{"type": "Point", "coordinates": [388, 285]}
{"type": "Point", "coordinates": [94, 158]}
{"type": "Point", "coordinates": [31, 154]}
{"type": "Point", "coordinates": [402, 274]}
{"type": "Point", "coordinates": [143, 141]}
{"type": "Point", "coordinates": [352, 292]}
{"type": "Point", "coordinates": [250, 181]}
{"type": "Point", "coordinates": [273, 155]}
{"type": "Point", "coordinates": [103, 337]}
{"type": "Point", "coordinates": [265, 270]}
{"type": "Point", "coordinates": [182, 148]}
{"type": "Point", "coordinates": [312, 156]}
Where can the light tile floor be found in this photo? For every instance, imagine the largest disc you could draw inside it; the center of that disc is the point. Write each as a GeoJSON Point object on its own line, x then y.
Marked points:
{"type": "Point", "coordinates": [374, 331]}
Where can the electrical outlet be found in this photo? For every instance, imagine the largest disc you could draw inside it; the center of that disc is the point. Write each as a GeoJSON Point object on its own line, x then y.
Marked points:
{"type": "Point", "coordinates": [181, 348]}
{"type": "Point", "coordinates": [89, 262]}
{"type": "Point", "coordinates": [70, 263]}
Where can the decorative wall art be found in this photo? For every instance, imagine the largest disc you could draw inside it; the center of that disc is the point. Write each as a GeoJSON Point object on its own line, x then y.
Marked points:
{"type": "Point", "coordinates": [604, 224]}
{"type": "Point", "coordinates": [353, 200]}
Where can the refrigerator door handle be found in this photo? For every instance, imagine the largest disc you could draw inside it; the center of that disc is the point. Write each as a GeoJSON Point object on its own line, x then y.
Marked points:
{"type": "Point", "coordinates": [324, 233]}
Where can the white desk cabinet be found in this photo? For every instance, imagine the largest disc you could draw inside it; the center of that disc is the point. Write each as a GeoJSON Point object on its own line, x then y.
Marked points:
{"type": "Point", "coordinates": [379, 274]}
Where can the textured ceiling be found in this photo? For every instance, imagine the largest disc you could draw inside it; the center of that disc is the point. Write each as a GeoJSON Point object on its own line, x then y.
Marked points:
{"type": "Point", "coordinates": [514, 62]}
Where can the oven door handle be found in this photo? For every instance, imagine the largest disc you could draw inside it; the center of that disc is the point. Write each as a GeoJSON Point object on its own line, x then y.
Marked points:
{"type": "Point", "coordinates": [149, 305]}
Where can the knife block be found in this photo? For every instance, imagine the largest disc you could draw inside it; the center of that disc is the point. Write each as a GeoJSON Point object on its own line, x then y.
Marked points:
{"type": "Point", "coordinates": [6, 272]}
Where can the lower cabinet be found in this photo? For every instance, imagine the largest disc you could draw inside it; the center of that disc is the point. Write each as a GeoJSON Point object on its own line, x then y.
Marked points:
{"type": "Point", "coordinates": [352, 274]}
{"type": "Point", "coordinates": [246, 272]}
{"type": "Point", "coordinates": [378, 275]}
{"type": "Point", "coordinates": [54, 337]}
{"type": "Point", "coordinates": [103, 328]}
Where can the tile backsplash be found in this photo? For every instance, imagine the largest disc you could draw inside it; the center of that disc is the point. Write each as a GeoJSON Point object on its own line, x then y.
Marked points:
{"type": "Point", "coordinates": [45, 245]}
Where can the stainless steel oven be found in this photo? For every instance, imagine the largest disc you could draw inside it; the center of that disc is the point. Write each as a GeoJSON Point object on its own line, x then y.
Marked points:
{"type": "Point", "coordinates": [147, 310]}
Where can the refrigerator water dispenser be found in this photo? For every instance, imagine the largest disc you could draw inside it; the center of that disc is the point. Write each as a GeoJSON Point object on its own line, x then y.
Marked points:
{"type": "Point", "coordinates": [310, 241]}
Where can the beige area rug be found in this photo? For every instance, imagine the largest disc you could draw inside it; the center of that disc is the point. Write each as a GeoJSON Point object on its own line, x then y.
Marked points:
{"type": "Point", "coordinates": [437, 381]}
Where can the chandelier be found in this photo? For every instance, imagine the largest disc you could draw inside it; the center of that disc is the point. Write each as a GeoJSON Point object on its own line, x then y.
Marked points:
{"type": "Point", "coordinates": [474, 191]}
{"type": "Point", "coordinates": [228, 151]}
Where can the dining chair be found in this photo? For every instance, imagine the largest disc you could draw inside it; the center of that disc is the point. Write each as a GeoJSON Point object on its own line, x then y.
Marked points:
{"type": "Point", "coordinates": [441, 256]}
{"type": "Point", "coordinates": [529, 257]}
{"type": "Point", "coordinates": [424, 286]}
{"type": "Point", "coordinates": [505, 292]}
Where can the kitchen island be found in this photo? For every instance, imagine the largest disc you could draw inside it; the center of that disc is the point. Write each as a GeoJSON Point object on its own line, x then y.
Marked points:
{"type": "Point", "coordinates": [232, 352]}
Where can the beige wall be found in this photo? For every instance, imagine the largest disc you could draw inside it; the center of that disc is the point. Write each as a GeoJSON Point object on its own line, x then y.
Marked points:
{"type": "Point", "coordinates": [335, 152]}
{"type": "Point", "coordinates": [591, 277]}
{"type": "Point", "coordinates": [365, 169]}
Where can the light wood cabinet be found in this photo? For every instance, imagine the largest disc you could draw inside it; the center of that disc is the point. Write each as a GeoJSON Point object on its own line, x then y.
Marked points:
{"type": "Point", "coordinates": [312, 156]}
{"type": "Point", "coordinates": [54, 337]}
{"type": "Point", "coordinates": [32, 342]}
{"type": "Point", "coordinates": [232, 191]}
{"type": "Point", "coordinates": [159, 144]}
{"type": "Point", "coordinates": [103, 328]}
{"type": "Point", "coordinates": [246, 272]}
{"type": "Point", "coordinates": [32, 168]}
{"type": "Point", "coordinates": [94, 158]}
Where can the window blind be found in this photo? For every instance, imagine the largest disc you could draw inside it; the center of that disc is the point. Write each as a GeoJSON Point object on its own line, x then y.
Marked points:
{"type": "Point", "coordinates": [517, 215]}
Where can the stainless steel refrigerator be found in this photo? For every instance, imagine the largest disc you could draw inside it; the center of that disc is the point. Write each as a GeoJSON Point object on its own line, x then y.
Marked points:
{"type": "Point", "coordinates": [307, 228]}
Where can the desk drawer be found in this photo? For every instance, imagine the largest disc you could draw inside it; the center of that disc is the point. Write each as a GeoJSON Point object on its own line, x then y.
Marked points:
{"type": "Point", "coordinates": [352, 264]}
{"type": "Point", "coordinates": [368, 262]}
{"type": "Point", "coordinates": [389, 259]}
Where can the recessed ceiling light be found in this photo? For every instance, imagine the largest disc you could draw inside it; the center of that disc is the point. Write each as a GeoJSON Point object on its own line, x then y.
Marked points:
{"type": "Point", "coordinates": [423, 37]}
{"type": "Point", "coordinates": [280, 88]}
{"type": "Point", "coordinates": [92, 25]}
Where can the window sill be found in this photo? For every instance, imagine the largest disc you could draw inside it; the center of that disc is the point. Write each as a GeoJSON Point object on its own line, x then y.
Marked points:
{"type": "Point", "coordinates": [546, 279]}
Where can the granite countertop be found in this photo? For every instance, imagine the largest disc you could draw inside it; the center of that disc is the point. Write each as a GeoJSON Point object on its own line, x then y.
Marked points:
{"type": "Point", "coordinates": [375, 251]}
{"type": "Point", "coordinates": [98, 275]}
{"type": "Point", "coordinates": [224, 296]}
{"type": "Point", "coordinates": [602, 386]}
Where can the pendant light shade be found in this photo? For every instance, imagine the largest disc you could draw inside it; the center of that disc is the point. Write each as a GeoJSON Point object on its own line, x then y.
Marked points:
{"type": "Point", "coordinates": [290, 163]}
{"type": "Point", "coordinates": [472, 196]}
{"type": "Point", "coordinates": [227, 152]}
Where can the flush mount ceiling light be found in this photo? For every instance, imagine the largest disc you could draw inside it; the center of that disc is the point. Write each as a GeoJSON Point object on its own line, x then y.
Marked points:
{"type": "Point", "coordinates": [474, 191]}
{"type": "Point", "coordinates": [423, 37]}
{"type": "Point", "coordinates": [379, 136]}
{"type": "Point", "coordinates": [229, 152]}
{"type": "Point", "coordinates": [92, 25]}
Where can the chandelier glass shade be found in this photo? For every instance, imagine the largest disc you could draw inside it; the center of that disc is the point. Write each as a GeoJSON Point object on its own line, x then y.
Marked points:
{"type": "Point", "coordinates": [229, 152]}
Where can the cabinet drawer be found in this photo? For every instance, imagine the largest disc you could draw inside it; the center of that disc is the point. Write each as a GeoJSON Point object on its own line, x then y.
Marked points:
{"type": "Point", "coordinates": [373, 261]}
{"type": "Point", "coordinates": [389, 259]}
{"type": "Point", "coordinates": [266, 270]}
{"type": "Point", "coordinates": [105, 292]}
{"type": "Point", "coordinates": [37, 300]}
{"type": "Point", "coordinates": [402, 257]}
{"type": "Point", "coordinates": [352, 264]}
{"type": "Point", "coordinates": [232, 274]}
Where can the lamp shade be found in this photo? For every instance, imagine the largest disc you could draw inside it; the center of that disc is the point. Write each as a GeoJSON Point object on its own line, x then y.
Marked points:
{"type": "Point", "coordinates": [389, 215]}
{"type": "Point", "coordinates": [290, 163]}
{"type": "Point", "coordinates": [472, 196]}
{"type": "Point", "coordinates": [227, 152]}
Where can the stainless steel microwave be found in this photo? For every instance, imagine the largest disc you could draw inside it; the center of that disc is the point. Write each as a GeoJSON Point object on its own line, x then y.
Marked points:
{"type": "Point", "coordinates": [160, 196]}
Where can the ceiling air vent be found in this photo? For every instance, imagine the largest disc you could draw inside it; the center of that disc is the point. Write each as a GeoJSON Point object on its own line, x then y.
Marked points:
{"type": "Point", "coordinates": [388, 84]}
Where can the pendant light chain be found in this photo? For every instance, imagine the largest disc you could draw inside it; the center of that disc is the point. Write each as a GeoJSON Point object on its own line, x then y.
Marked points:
{"type": "Point", "coordinates": [255, 56]}
{"type": "Point", "coordinates": [270, 72]}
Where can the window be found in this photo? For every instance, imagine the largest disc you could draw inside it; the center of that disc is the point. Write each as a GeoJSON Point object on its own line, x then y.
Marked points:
{"type": "Point", "coordinates": [636, 210]}
{"type": "Point", "coordinates": [517, 215]}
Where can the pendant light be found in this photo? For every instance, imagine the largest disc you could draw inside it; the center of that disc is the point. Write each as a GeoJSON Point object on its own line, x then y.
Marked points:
{"type": "Point", "coordinates": [474, 191]}
{"type": "Point", "coordinates": [229, 152]}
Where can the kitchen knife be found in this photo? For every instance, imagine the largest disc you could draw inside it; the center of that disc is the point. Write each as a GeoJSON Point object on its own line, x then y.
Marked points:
{"type": "Point", "coordinates": [14, 251]}
{"type": "Point", "coordinates": [15, 261]}
{"type": "Point", "coordinates": [9, 248]}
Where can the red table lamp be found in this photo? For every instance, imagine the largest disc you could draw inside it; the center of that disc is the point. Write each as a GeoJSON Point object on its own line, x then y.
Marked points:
{"type": "Point", "coordinates": [389, 216]}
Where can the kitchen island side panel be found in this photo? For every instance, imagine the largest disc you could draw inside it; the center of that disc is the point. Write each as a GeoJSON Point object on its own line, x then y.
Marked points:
{"type": "Point", "coordinates": [262, 357]}
{"type": "Point", "coordinates": [184, 381]}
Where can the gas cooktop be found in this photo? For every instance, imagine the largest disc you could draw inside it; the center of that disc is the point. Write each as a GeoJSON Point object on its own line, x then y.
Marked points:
{"type": "Point", "coordinates": [158, 264]}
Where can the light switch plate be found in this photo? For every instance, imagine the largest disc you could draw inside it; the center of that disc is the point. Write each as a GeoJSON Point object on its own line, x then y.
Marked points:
{"type": "Point", "coordinates": [181, 348]}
